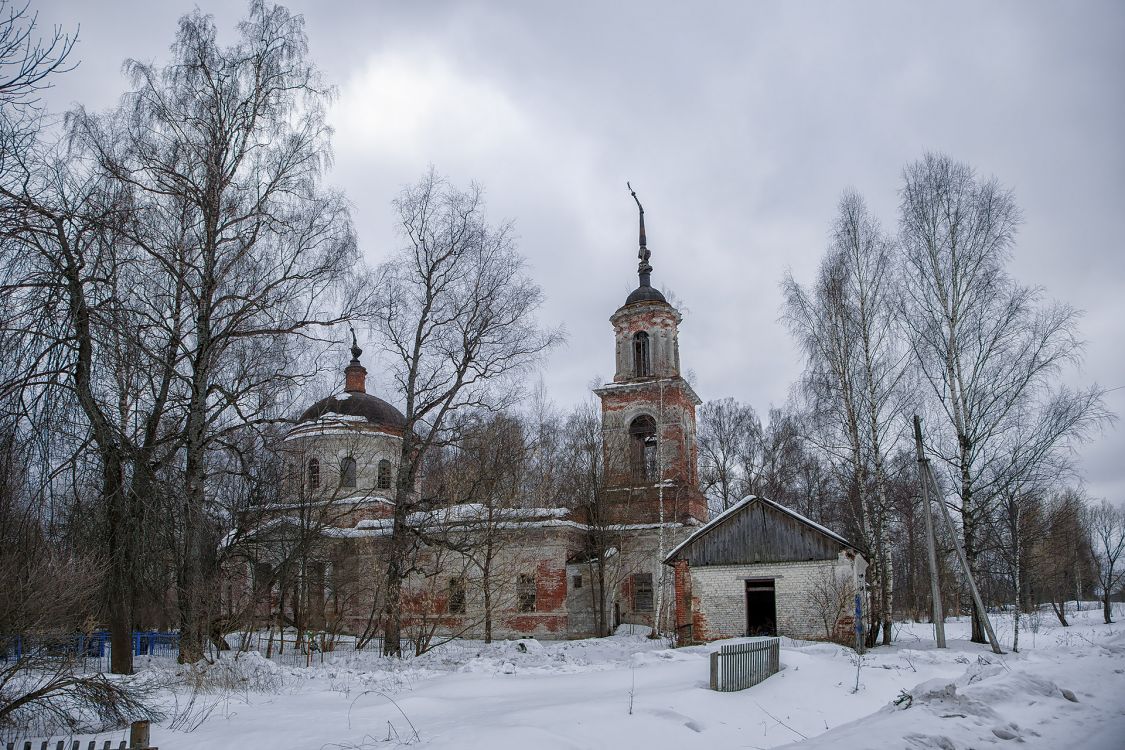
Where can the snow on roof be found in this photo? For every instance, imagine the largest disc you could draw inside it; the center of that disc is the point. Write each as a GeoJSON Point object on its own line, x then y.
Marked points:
{"type": "Point", "coordinates": [469, 513]}
{"type": "Point", "coordinates": [352, 500]}
{"type": "Point", "coordinates": [707, 527]}
{"type": "Point", "coordinates": [466, 517]}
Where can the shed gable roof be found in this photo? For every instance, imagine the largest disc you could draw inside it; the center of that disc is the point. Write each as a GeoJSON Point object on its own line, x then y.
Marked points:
{"type": "Point", "coordinates": [777, 534]}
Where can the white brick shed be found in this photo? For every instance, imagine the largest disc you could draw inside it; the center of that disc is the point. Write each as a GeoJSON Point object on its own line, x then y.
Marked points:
{"type": "Point", "coordinates": [760, 568]}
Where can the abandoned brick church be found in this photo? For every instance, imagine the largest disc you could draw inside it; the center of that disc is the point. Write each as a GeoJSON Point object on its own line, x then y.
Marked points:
{"type": "Point", "coordinates": [542, 581]}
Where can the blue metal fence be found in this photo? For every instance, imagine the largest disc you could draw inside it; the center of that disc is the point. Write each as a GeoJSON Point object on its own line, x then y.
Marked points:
{"type": "Point", "coordinates": [154, 643]}
{"type": "Point", "coordinates": [95, 645]}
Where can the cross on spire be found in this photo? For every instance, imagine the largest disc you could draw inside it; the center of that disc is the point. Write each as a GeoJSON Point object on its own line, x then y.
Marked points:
{"type": "Point", "coordinates": [644, 269]}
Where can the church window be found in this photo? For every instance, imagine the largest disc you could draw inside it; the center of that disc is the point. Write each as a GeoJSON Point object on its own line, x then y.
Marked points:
{"type": "Point", "coordinates": [642, 592]}
{"type": "Point", "coordinates": [292, 478]}
{"type": "Point", "coordinates": [456, 596]}
{"type": "Point", "coordinates": [261, 576]}
{"type": "Point", "coordinates": [642, 363]}
{"type": "Point", "coordinates": [642, 448]}
{"type": "Point", "coordinates": [347, 472]}
{"type": "Point", "coordinates": [525, 592]}
{"type": "Point", "coordinates": [314, 473]}
{"type": "Point", "coordinates": [384, 480]}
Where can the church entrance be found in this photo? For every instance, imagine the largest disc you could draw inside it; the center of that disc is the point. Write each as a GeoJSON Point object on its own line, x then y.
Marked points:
{"type": "Point", "coordinates": [761, 607]}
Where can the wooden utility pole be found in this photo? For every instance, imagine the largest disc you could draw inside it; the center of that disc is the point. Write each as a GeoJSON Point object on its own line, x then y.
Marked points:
{"type": "Point", "coordinates": [937, 615]}
{"type": "Point", "coordinates": [928, 471]}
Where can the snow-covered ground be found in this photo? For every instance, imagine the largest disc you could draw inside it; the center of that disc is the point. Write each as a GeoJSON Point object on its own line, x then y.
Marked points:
{"type": "Point", "coordinates": [1066, 688]}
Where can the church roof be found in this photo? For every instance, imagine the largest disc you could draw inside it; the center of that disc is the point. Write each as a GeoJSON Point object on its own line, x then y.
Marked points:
{"type": "Point", "coordinates": [355, 401]}
{"type": "Point", "coordinates": [372, 408]}
{"type": "Point", "coordinates": [645, 293]}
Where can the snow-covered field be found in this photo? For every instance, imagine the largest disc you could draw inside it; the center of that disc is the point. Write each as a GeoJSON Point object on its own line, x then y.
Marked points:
{"type": "Point", "coordinates": [1066, 688]}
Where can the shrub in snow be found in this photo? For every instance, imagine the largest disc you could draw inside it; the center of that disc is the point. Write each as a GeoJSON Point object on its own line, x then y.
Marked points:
{"type": "Point", "coordinates": [245, 672]}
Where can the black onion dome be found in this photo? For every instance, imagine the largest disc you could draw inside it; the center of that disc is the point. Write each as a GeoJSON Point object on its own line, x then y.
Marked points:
{"type": "Point", "coordinates": [645, 293]}
{"type": "Point", "coordinates": [377, 411]}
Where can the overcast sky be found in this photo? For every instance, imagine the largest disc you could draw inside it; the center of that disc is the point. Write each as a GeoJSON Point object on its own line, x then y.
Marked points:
{"type": "Point", "coordinates": [739, 124]}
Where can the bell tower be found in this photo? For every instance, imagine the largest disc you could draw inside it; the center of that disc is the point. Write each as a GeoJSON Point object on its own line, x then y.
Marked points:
{"type": "Point", "coordinates": [648, 412]}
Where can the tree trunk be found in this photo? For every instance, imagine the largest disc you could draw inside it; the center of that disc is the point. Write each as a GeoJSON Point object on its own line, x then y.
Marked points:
{"type": "Point", "coordinates": [119, 579]}
{"type": "Point", "coordinates": [392, 629]}
{"type": "Point", "coordinates": [1016, 582]}
{"type": "Point", "coordinates": [188, 593]}
{"type": "Point", "coordinates": [486, 573]}
{"type": "Point", "coordinates": [120, 585]}
{"type": "Point", "coordinates": [1060, 612]}
{"type": "Point", "coordinates": [968, 526]}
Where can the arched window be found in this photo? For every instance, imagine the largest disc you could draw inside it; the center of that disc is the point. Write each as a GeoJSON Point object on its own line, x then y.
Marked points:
{"type": "Point", "coordinates": [384, 481]}
{"type": "Point", "coordinates": [314, 474]}
{"type": "Point", "coordinates": [292, 478]}
{"type": "Point", "coordinates": [642, 364]}
{"type": "Point", "coordinates": [347, 472]}
{"type": "Point", "coordinates": [642, 448]}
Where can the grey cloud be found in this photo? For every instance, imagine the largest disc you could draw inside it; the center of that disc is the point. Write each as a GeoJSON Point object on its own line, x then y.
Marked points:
{"type": "Point", "coordinates": [739, 124]}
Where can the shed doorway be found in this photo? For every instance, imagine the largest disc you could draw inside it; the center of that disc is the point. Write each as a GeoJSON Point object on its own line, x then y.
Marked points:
{"type": "Point", "coordinates": [761, 607]}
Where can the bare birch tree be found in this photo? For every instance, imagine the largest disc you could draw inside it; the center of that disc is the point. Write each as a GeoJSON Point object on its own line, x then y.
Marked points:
{"type": "Point", "coordinates": [988, 348]}
{"type": "Point", "coordinates": [455, 314]}
{"type": "Point", "coordinates": [85, 335]}
{"type": "Point", "coordinates": [1107, 527]}
{"type": "Point", "coordinates": [729, 433]}
{"type": "Point", "coordinates": [224, 149]}
{"type": "Point", "coordinates": [855, 364]}
{"type": "Point", "coordinates": [29, 61]}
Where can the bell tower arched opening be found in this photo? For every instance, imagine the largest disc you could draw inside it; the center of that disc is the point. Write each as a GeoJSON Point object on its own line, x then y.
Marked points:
{"type": "Point", "coordinates": [643, 445]}
{"type": "Point", "coordinates": [642, 361]}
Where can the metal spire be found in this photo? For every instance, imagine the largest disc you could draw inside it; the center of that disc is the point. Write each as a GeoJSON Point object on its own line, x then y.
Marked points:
{"type": "Point", "coordinates": [644, 270]}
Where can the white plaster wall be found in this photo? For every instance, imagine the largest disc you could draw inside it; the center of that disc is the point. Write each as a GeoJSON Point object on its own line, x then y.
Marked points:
{"type": "Point", "coordinates": [719, 592]}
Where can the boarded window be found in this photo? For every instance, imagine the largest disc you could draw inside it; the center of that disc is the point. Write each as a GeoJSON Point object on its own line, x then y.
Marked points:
{"type": "Point", "coordinates": [347, 472]}
{"type": "Point", "coordinates": [384, 482]}
{"type": "Point", "coordinates": [642, 592]}
{"type": "Point", "coordinates": [642, 364]}
{"type": "Point", "coordinates": [314, 473]}
{"type": "Point", "coordinates": [457, 596]}
{"type": "Point", "coordinates": [525, 593]}
{"type": "Point", "coordinates": [577, 583]}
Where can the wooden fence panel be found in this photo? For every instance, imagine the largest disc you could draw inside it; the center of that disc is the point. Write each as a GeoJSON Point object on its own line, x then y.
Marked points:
{"type": "Point", "coordinates": [741, 665]}
{"type": "Point", "coordinates": [139, 734]}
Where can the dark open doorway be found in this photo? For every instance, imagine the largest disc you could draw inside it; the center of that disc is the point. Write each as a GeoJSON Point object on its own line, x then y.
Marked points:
{"type": "Point", "coordinates": [761, 609]}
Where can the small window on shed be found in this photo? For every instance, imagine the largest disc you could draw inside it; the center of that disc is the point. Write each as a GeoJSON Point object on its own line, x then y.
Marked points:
{"type": "Point", "coordinates": [642, 592]}
{"type": "Point", "coordinates": [457, 596]}
{"type": "Point", "coordinates": [577, 582]}
{"type": "Point", "coordinates": [347, 472]}
{"type": "Point", "coordinates": [314, 473]}
{"type": "Point", "coordinates": [525, 592]}
{"type": "Point", "coordinates": [384, 480]}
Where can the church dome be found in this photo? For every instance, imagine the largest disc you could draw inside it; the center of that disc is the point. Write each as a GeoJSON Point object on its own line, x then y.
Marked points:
{"type": "Point", "coordinates": [645, 293]}
{"type": "Point", "coordinates": [355, 401]}
{"type": "Point", "coordinates": [375, 410]}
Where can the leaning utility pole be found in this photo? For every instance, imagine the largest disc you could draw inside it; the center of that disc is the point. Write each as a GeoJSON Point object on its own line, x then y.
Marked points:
{"type": "Point", "coordinates": [937, 615]}
{"type": "Point", "coordinates": [929, 474]}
